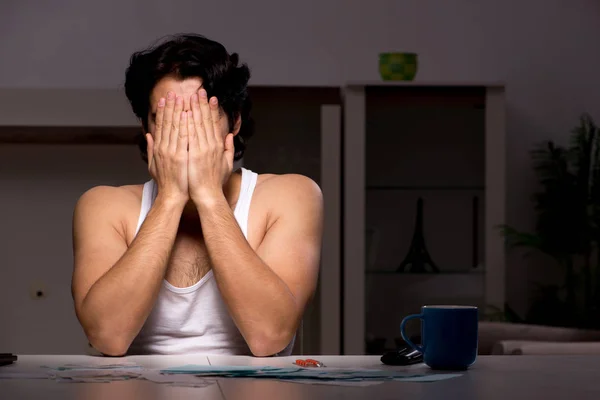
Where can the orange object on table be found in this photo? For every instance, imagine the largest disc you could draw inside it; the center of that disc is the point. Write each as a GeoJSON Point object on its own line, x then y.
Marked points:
{"type": "Point", "coordinates": [309, 362]}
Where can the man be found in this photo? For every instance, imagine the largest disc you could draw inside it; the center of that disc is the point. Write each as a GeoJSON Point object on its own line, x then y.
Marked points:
{"type": "Point", "coordinates": [202, 258]}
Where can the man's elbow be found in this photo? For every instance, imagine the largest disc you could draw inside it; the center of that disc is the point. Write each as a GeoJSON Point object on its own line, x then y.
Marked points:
{"type": "Point", "coordinates": [109, 345]}
{"type": "Point", "coordinates": [269, 344]}
{"type": "Point", "coordinates": [104, 338]}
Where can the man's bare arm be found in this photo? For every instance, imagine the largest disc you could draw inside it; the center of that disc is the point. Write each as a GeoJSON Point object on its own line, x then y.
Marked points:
{"type": "Point", "coordinates": [115, 287]}
{"type": "Point", "coordinates": [267, 291]}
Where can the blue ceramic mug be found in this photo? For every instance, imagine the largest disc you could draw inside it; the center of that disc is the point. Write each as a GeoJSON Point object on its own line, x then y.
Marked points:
{"type": "Point", "coordinates": [448, 336]}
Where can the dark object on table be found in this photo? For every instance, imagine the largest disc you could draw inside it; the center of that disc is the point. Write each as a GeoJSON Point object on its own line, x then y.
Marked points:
{"type": "Point", "coordinates": [7, 358]}
{"type": "Point", "coordinates": [418, 256]}
{"type": "Point", "coordinates": [403, 356]}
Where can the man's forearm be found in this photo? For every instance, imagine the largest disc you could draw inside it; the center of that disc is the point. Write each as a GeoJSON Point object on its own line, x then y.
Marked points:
{"type": "Point", "coordinates": [118, 304]}
{"type": "Point", "coordinates": [257, 299]}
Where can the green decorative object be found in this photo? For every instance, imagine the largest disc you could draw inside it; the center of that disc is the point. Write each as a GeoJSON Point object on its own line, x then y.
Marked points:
{"type": "Point", "coordinates": [398, 66]}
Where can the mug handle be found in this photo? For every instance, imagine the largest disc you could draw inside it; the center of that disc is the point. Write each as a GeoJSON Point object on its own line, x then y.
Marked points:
{"type": "Point", "coordinates": [405, 336]}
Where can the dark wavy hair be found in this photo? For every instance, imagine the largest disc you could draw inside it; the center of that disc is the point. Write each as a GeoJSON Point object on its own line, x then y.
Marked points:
{"type": "Point", "coordinates": [192, 56]}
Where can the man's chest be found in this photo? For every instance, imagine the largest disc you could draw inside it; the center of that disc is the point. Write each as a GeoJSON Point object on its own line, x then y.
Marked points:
{"type": "Point", "coordinates": [190, 258]}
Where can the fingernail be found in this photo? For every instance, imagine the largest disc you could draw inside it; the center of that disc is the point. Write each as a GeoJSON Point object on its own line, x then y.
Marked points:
{"type": "Point", "coordinates": [203, 93]}
{"type": "Point", "coordinates": [213, 100]}
{"type": "Point", "coordinates": [161, 102]}
{"type": "Point", "coordinates": [170, 95]}
{"type": "Point", "coordinates": [195, 98]}
{"type": "Point", "coordinates": [190, 114]}
{"type": "Point", "coordinates": [179, 100]}
{"type": "Point", "coordinates": [183, 114]}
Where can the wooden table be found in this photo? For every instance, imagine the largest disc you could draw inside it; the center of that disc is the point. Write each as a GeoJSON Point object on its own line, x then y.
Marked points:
{"type": "Point", "coordinates": [492, 377]}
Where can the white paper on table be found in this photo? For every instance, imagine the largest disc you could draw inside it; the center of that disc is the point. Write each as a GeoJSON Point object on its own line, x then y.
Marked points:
{"type": "Point", "coordinates": [104, 373]}
{"type": "Point", "coordinates": [423, 378]}
{"type": "Point", "coordinates": [23, 375]}
{"type": "Point", "coordinates": [19, 371]}
{"type": "Point", "coordinates": [429, 378]}
{"type": "Point", "coordinates": [97, 372]}
{"type": "Point", "coordinates": [176, 379]}
{"type": "Point", "coordinates": [332, 383]}
{"type": "Point", "coordinates": [90, 380]}
{"type": "Point", "coordinates": [99, 366]}
{"type": "Point", "coordinates": [325, 376]}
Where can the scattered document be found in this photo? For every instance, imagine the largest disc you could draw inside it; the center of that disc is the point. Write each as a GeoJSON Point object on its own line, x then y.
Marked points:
{"type": "Point", "coordinates": [205, 375]}
{"type": "Point", "coordinates": [15, 374]}
{"type": "Point", "coordinates": [66, 367]}
{"type": "Point", "coordinates": [177, 379]}
{"type": "Point", "coordinates": [94, 373]}
{"type": "Point", "coordinates": [302, 375]}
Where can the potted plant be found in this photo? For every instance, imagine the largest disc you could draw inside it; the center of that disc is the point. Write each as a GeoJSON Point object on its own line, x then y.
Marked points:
{"type": "Point", "coordinates": [567, 227]}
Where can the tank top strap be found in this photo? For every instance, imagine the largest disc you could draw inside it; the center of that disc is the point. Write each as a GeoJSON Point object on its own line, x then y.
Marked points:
{"type": "Point", "coordinates": [148, 196]}
{"type": "Point", "coordinates": [242, 208]}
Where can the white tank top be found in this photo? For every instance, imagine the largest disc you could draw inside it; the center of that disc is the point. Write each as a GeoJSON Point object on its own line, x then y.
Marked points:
{"type": "Point", "coordinates": [194, 319]}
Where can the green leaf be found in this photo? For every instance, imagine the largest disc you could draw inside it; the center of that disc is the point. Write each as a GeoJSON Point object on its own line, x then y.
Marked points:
{"type": "Point", "coordinates": [515, 238]}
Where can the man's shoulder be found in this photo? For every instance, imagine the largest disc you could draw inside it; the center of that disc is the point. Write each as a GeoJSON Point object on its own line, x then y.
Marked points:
{"type": "Point", "coordinates": [286, 184]}
{"type": "Point", "coordinates": [288, 190]}
{"type": "Point", "coordinates": [110, 199]}
{"type": "Point", "coordinates": [113, 194]}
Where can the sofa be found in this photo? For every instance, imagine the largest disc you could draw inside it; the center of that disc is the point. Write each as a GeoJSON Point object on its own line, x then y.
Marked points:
{"type": "Point", "coordinates": [503, 338]}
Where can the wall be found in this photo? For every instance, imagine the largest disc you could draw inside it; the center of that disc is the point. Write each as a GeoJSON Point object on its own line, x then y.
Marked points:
{"type": "Point", "coordinates": [40, 186]}
{"type": "Point", "coordinates": [544, 50]}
